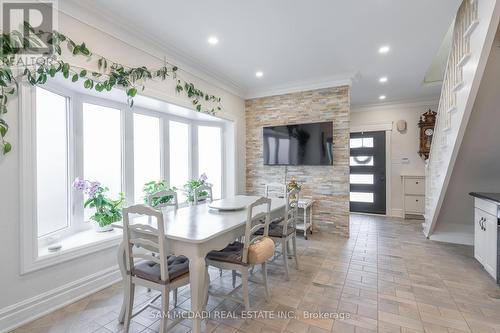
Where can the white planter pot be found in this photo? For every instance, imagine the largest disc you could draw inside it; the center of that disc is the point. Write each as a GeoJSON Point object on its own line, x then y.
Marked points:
{"type": "Point", "coordinates": [106, 228]}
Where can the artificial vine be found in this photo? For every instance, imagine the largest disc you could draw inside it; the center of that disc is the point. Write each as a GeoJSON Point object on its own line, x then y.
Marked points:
{"type": "Point", "coordinates": [109, 74]}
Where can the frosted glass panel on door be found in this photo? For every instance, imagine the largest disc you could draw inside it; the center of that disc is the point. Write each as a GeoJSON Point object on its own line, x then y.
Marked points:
{"type": "Point", "coordinates": [147, 154]}
{"type": "Point", "coordinates": [179, 155]}
{"type": "Point", "coordinates": [361, 161]}
{"type": "Point", "coordinates": [361, 179]}
{"type": "Point", "coordinates": [361, 143]}
{"type": "Point", "coordinates": [361, 197]}
{"type": "Point", "coordinates": [210, 156]}
{"type": "Point", "coordinates": [102, 148]}
{"type": "Point", "coordinates": [51, 162]}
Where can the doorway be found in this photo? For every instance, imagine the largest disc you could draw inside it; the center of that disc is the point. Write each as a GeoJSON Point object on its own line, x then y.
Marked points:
{"type": "Point", "coordinates": [367, 172]}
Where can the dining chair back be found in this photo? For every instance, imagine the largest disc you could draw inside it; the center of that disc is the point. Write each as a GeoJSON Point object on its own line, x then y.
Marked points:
{"type": "Point", "coordinates": [202, 192]}
{"type": "Point", "coordinates": [291, 210]}
{"type": "Point", "coordinates": [162, 199]}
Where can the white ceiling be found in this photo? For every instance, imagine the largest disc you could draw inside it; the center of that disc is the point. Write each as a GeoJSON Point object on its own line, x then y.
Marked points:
{"type": "Point", "coordinates": [297, 43]}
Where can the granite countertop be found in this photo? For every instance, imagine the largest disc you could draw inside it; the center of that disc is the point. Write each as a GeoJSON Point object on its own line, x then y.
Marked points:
{"type": "Point", "coordinates": [488, 196]}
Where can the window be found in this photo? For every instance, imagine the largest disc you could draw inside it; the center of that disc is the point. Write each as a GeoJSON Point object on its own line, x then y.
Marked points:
{"type": "Point", "coordinates": [147, 153]}
{"type": "Point", "coordinates": [179, 154]}
{"type": "Point", "coordinates": [51, 162]}
{"type": "Point", "coordinates": [67, 135]}
{"type": "Point", "coordinates": [210, 157]}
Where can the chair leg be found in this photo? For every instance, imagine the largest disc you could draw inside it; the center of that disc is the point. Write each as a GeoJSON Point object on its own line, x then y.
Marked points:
{"type": "Point", "coordinates": [284, 249]}
{"type": "Point", "coordinates": [264, 278]}
{"type": "Point", "coordinates": [164, 310]}
{"type": "Point", "coordinates": [175, 297]}
{"type": "Point", "coordinates": [244, 284]}
{"type": "Point", "coordinates": [207, 286]}
{"type": "Point", "coordinates": [130, 303]}
{"type": "Point", "coordinates": [234, 278]}
{"type": "Point", "coordinates": [220, 272]}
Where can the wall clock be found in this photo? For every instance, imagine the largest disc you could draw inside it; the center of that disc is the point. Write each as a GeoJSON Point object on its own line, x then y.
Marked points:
{"type": "Point", "coordinates": [426, 125]}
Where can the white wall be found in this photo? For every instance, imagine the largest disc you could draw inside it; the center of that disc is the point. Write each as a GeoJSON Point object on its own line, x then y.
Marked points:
{"type": "Point", "coordinates": [403, 145]}
{"type": "Point", "coordinates": [18, 292]}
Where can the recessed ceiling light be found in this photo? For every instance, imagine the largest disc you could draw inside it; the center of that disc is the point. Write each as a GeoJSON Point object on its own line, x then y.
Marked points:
{"type": "Point", "coordinates": [383, 79]}
{"type": "Point", "coordinates": [259, 74]}
{"type": "Point", "coordinates": [212, 40]}
{"type": "Point", "coordinates": [384, 49]}
{"type": "Point", "coordinates": [382, 97]}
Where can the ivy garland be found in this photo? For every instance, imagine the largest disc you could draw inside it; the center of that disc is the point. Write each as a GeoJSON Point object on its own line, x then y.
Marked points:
{"type": "Point", "coordinates": [110, 73]}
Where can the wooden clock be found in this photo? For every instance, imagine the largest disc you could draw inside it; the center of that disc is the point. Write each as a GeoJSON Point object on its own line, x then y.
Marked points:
{"type": "Point", "coordinates": [426, 125]}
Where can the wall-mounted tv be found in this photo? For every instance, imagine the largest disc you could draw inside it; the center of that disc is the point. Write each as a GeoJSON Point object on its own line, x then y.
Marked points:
{"type": "Point", "coordinates": [299, 144]}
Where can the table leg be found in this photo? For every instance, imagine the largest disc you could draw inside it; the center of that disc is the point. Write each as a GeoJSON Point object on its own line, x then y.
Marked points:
{"type": "Point", "coordinates": [198, 283]}
{"type": "Point", "coordinates": [123, 271]}
{"type": "Point", "coordinates": [305, 222]}
{"type": "Point", "coordinates": [311, 217]}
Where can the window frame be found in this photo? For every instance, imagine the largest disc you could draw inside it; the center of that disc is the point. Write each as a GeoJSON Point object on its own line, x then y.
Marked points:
{"type": "Point", "coordinates": [30, 242]}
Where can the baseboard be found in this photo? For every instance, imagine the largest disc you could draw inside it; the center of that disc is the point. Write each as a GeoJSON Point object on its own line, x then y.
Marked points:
{"type": "Point", "coordinates": [16, 315]}
{"type": "Point", "coordinates": [396, 212]}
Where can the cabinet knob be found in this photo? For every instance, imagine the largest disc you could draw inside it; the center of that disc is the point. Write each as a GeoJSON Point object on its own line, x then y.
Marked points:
{"type": "Point", "coordinates": [416, 200]}
{"type": "Point", "coordinates": [416, 183]}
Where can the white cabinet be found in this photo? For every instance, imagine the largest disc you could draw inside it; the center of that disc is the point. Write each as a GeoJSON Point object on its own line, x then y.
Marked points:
{"type": "Point", "coordinates": [413, 194]}
{"type": "Point", "coordinates": [486, 234]}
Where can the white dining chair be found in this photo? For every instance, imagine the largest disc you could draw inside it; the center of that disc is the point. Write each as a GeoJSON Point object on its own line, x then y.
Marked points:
{"type": "Point", "coordinates": [202, 192]}
{"type": "Point", "coordinates": [163, 272]}
{"type": "Point", "coordinates": [163, 199]}
{"type": "Point", "coordinates": [239, 257]}
{"type": "Point", "coordinates": [286, 230]}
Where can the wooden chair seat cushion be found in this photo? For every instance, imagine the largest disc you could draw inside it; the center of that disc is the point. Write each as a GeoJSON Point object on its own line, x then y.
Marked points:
{"type": "Point", "coordinates": [233, 253]}
{"type": "Point", "coordinates": [276, 230]}
{"type": "Point", "coordinates": [260, 251]}
{"type": "Point", "coordinates": [149, 270]}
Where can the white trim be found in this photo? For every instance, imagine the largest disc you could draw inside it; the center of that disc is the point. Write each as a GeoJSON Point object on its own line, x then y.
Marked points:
{"type": "Point", "coordinates": [372, 127]}
{"type": "Point", "coordinates": [395, 105]}
{"type": "Point", "coordinates": [16, 315]}
{"type": "Point", "coordinates": [377, 127]}
{"type": "Point", "coordinates": [300, 86]}
{"type": "Point", "coordinates": [396, 212]}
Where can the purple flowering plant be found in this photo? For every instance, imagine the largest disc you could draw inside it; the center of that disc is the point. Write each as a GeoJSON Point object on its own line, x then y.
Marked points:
{"type": "Point", "coordinates": [107, 210]}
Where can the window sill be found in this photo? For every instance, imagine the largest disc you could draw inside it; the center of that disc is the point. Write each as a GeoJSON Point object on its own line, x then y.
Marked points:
{"type": "Point", "coordinates": [74, 246]}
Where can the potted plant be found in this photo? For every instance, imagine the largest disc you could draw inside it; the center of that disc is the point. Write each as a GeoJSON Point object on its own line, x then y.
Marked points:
{"type": "Point", "coordinates": [154, 187]}
{"type": "Point", "coordinates": [193, 184]}
{"type": "Point", "coordinates": [107, 211]}
{"type": "Point", "coordinates": [293, 185]}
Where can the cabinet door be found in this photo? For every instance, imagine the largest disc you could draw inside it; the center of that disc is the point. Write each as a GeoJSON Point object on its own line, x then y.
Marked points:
{"type": "Point", "coordinates": [478, 236]}
{"type": "Point", "coordinates": [490, 250]}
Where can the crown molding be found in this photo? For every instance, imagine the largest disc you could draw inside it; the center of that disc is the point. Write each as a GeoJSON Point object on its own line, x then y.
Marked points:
{"type": "Point", "coordinates": [298, 86]}
{"type": "Point", "coordinates": [396, 105]}
{"type": "Point", "coordinates": [111, 24]}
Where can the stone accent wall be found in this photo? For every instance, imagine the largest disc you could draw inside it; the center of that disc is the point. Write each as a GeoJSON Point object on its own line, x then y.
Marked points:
{"type": "Point", "coordinates": [328, 185]}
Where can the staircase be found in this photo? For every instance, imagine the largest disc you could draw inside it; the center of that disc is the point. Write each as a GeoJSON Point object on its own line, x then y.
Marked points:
{"type": "Point", "coordinates": [473, 35]}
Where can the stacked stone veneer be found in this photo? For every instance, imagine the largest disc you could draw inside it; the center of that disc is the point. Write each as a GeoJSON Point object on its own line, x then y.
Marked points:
{"type": "Point", "coordinates": [328, 185]}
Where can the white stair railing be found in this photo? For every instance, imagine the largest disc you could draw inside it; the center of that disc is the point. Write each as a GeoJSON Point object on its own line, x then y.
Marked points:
{"type": "Point", "coordinates": [457, 95]}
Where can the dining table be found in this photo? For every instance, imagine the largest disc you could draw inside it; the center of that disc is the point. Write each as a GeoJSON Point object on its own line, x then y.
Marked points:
{"type": "Point", "coordinates": [193, 231]}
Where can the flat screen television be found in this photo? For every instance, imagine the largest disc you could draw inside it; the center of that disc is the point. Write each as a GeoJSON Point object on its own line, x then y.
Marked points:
{"type": "Point", "coordinates": [299, 144]}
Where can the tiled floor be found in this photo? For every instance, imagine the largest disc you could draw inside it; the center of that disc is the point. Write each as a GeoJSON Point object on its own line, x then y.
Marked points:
{"type": "Point", "coordinates": [387, 277]}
